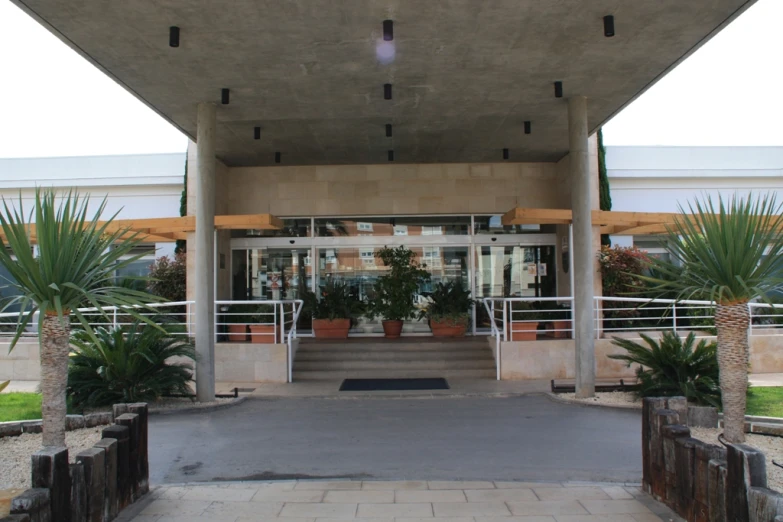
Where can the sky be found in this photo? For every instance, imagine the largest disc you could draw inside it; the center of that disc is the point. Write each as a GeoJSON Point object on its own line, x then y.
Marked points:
{"type": "Point", "coordinates": [60, 105]}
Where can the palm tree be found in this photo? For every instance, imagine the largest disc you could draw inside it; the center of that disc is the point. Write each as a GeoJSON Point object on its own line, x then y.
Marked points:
{"type": "Point", "coordinates": [74, 267]}
{"type": "Point", "coordinates": [731, 255]}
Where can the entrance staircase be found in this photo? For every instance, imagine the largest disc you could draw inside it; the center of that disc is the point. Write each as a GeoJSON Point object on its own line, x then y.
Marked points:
{"type": "Point", "coordinates": [375, 358]}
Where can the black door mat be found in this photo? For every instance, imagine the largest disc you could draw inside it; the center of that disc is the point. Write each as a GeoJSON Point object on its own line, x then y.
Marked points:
{"type": "Point", "coordinates": [394, 384]}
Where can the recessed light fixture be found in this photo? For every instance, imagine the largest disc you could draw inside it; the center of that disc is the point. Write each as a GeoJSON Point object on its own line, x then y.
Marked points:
{"type": "Point", "coordinates": [391, 155]}
{"type": "Point", "coordinates": [388, 130]}
{"type": "Point", "coordinates": [257, 133]}
{"type": "Point", "coordinates": [388, 30]}
{"type": "Point", "coordinates": [173, 36]}
{"type": "Point", "coordinates": [505, 154]}
{"type": "Point", "coordinates": [608, 26]}
{"type": "Point", "coordinates": [277, 157]}
{"type": "Point", "coordinates": [387, 94]}
{"type": "Point", "coordinates": [528, 128]}
{"type": "Point", "coordinates": [558, 89]}
{"type": "Point", "coordinates": [224, 96]}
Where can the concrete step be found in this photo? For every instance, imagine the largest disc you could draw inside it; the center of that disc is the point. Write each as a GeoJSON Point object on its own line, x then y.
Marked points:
{"type": "Point", "coordinates": [424, 355]}
{"type": "Point", "coordinates": [395, 365]}
{"type": "Point", "coordinates": [311, 346]}
{"type": "Point", "coordinates": [391, 374]}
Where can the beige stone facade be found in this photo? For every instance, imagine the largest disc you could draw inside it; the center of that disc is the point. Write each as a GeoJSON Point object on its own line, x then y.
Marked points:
{"type": "Point", "coordinates": [554, 359]}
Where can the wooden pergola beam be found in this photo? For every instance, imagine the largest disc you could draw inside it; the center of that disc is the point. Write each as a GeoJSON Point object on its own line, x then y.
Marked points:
{"type": "Point", "coordinates": [611, 222]}
{"type": "Point", "coordinates": [165, 230]}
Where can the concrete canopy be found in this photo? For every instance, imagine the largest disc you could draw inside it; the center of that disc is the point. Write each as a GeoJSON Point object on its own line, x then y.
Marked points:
{"type": "Point", "coordinates": [466, 74]}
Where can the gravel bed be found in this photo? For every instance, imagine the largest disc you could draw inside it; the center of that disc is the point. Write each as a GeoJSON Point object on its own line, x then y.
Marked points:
{"type": "Point", "coordinates": [771, 446]}
{"type": "Point", "coordinates": [620, 399]}
{"type": "Point", "coordinates": [16, 452]}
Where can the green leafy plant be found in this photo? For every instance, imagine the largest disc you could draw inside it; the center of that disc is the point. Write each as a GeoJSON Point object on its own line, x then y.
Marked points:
{"type": "Point", "coordinates": [168, 277]}
{"type": "Point", "coordinates": [335, 300]}
{"type": "Point", "coordinates": [129, 364]}
{"type": "Point", "coordinates": [240, 314]}
{"type": "Point", "coordinates": [532, 311]}
{"type": "Point", "coordinates": [75, 263]}
{"type": "Point", "coordinates": [673, 367]}
{"type": "Point", "coordinates": [394, 292]}
{"type": "Point", "coordinates": [450, 303]}
{"type": "Point", "coordinates": [264, 313]}
{"type": "Point", "coordinates": [730, 253]}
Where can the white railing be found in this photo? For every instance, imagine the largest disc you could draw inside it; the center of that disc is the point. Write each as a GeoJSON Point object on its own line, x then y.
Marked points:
{"type": "Point", "coordinates": [272, 321]}
{"type": "Point", "coordinates": [528, 318]}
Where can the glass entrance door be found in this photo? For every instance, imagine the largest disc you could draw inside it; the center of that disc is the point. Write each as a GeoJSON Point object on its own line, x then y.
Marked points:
{"type": "Point", "coordinates": [359, 268]}
{"type": "Point", "coordinates": [513, 271]}
{"type": "Point", "coordinates": [272, 273]}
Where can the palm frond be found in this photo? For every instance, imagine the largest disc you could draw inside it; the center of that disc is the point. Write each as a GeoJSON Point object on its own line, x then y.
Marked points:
{"type": "Point", "coordinates": [76, 259]}
{"type": "Point", "coordinates": [727, 252]}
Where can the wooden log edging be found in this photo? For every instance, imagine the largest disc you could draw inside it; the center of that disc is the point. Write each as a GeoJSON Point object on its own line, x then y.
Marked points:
{"type": "Point", "coordinates": [106, 478]}
{"type": "Point", "coordinates": [702, 482]}
{"type": "Point", "coordinates": [72, 422]}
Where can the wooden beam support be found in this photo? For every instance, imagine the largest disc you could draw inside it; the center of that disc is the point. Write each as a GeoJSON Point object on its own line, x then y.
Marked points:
{"type": "Point", "coordinates": [543, 216]}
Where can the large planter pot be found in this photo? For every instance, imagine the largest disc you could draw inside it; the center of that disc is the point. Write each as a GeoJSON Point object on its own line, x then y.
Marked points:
{"type": "Point", "coordinates": [447, 329]}
{"type": "Point", "coordinates": [562, 329]}
{"type": "Point", "coordinates": [392, 329]}
{"type": "Point", "coordinates": [237, 333]}
{"type": "Point", "coordinates": [522, 331]}
{"type": "Point", "coordinates": [331, 328]}
{"type": "Point", "coordinates": [262, 333]}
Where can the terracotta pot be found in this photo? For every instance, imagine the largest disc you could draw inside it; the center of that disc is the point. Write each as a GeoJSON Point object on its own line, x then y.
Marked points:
{"type": "Point", "coordinates": [262, 333]}
{"type": "Point", "coordinates": [392, 329]}
{"type": "Point", "coordinates": [522, 331]}
{"type": "Point", "coordinates": [237, 333]}
{"type": "Point", "coordinates": [447, 329]}
{"type": "Point", "coordinates": [562, 329]}
{"type": "Point", "coordinates": [331, 328]}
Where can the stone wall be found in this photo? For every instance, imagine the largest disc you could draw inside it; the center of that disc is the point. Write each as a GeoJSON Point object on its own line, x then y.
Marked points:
{"type": "Point", "coordinates": [23, 363]}
{"type": "Point", "coordinates": [554, 359]}
{"type": "Point", "coordinates": [702, 482]}
{"type": "Point", "coordinates": [455, 188]}
{"type": "Point", "coordinates": [104, 480]}
{"type": "Point", "coordinates": [248, 362]}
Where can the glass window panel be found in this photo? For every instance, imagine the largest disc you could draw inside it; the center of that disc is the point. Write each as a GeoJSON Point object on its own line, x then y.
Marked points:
{"type": "Point", "coordinates": [298, 227]}
{"type": "Point", "coordinates": [493, 225]}
{"type": "Point", "coordinates": [393, 226]}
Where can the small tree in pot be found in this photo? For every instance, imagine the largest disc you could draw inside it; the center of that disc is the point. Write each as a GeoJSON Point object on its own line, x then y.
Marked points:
{"type": "Point", "coordinates": [448, 310]}
{"type": "Point", "coordinates": [333, 309]}
{"type": "Point", "coordinates": [394, 292]}
{"type": "Point", "coordinates": [236, 318]}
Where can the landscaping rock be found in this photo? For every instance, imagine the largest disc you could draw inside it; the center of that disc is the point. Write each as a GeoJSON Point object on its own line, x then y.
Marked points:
{"type": "Point", "coordinates": [702, 416]}
{"type": "Point", "coordinates": [32, 427]}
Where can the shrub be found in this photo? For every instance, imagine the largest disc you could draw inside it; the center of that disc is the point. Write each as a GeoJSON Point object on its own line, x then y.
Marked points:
{"type": "Point", "coordinates": [620, 271]}
{"type": "Point", "coordinates": [449, 302]}
{"type": "Point", "coordinates": [673, 367]}
{"type": "Point", "coordinates": [336, 300]}
{"type": "Point", "coordinates": [128, 364]}
{"type": "Point", "coordinates": [394, 292]}
{"type": "Point", "coordinates": [168, 277]}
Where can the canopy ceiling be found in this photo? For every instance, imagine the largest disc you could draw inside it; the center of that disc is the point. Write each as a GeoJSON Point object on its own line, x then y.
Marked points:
{"type": "Point", "coordinates": [466, 74]}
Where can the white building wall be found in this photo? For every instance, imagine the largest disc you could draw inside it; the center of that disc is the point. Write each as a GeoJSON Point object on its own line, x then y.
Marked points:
{"type": "Point", "coordinates": [136, 186]}
{"type": "Point", "coordinates": [661, 179]}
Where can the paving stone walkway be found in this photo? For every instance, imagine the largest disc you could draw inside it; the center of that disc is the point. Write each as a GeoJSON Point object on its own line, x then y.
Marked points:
{"type": "Point", "coordinates": [398, 501]}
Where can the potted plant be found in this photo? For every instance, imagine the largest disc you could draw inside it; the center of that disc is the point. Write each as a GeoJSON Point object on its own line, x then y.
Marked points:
{"type": "Point", "coordinates": [263, 328]}
{"type": "Point", "coordinates": [394, 292]}
{"type": "Point", "coordinates": [523, 321]}
{"type": "Point", "coordinates": [448, 310]}
{"type": "Point", "coordinates": [237, 317]}
{"type": "Point", "coordinates": [333, 310]}
{"type": "Point", "coordinates": [560, 322]}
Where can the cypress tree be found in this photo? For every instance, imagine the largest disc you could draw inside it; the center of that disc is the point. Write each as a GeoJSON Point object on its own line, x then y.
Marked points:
{"type": "Point", "coordinates": [183, 208]}
{"type": "Point", "coordinates": [603, 183]}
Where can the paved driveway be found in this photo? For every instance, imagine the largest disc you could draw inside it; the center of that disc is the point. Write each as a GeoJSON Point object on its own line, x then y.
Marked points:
{"type": "Point", "coordinates": [522, 438]}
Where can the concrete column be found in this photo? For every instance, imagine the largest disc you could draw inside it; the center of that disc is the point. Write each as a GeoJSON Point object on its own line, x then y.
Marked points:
{"type": "Point", "coordinates": [205, 252]}
{"type": "Point", "coordinates": [581, 188]}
